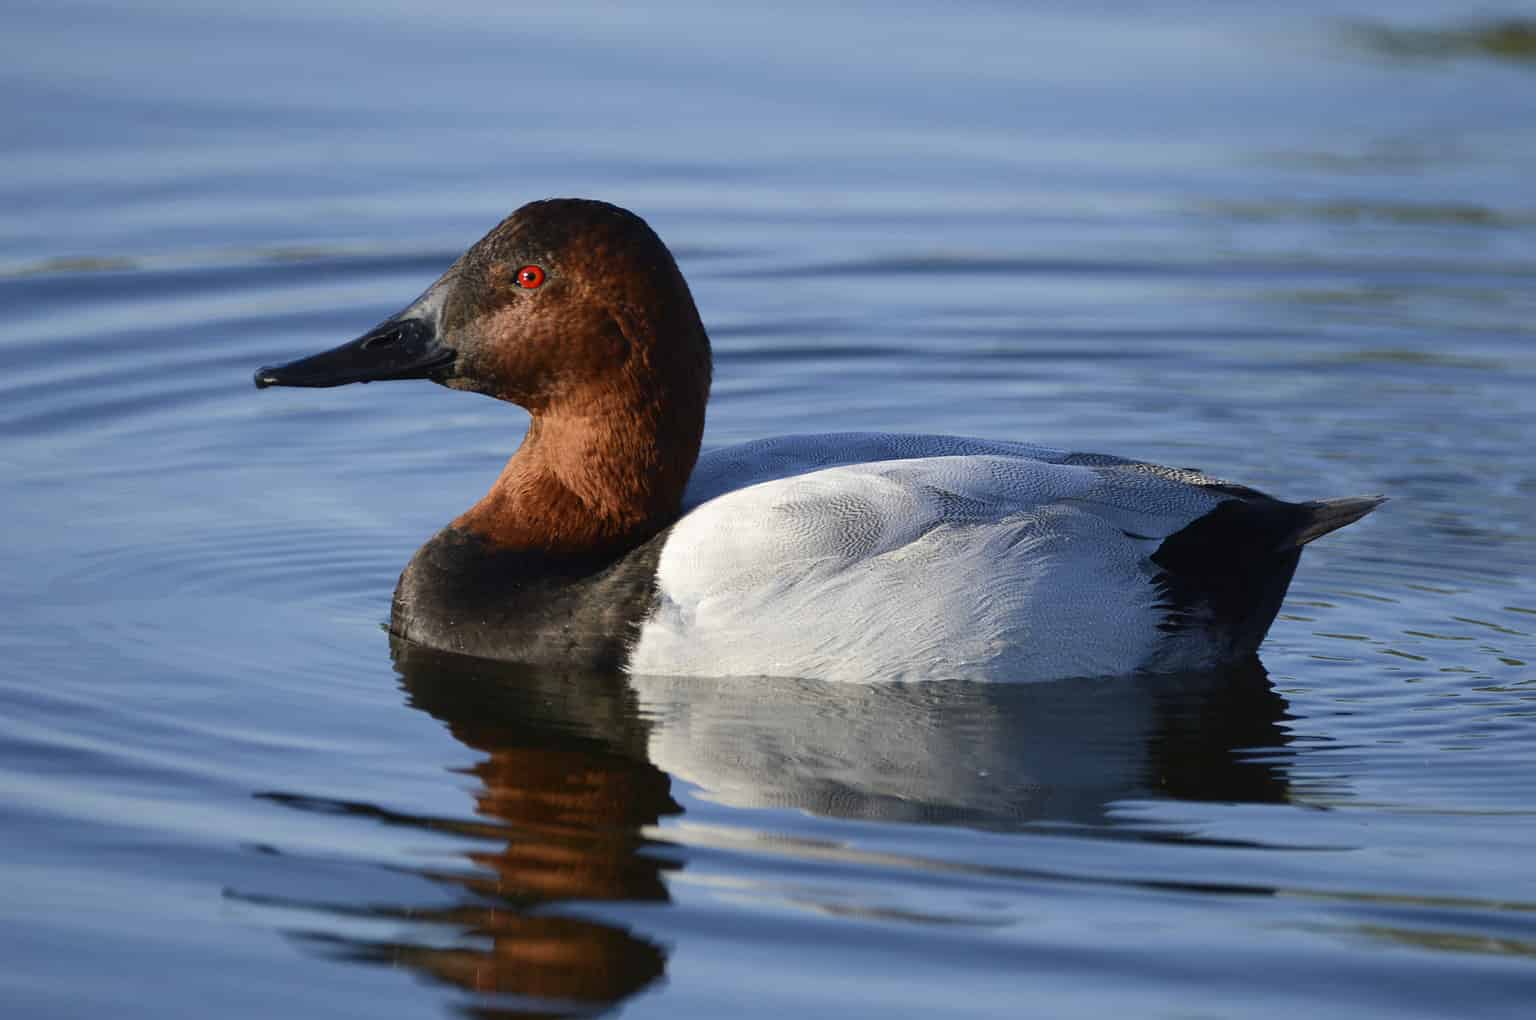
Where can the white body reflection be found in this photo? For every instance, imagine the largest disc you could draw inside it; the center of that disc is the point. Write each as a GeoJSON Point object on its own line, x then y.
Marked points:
{"type": "Point", "coordinates": [985, 755]}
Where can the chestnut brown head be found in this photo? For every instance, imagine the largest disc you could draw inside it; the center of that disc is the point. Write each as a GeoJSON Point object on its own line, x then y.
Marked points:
{"type": "Point", "coordinates": [567, 303]}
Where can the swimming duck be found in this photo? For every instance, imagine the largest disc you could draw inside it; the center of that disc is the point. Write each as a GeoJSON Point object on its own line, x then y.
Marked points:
{"type": "Point", "coordinates": [609, 542]}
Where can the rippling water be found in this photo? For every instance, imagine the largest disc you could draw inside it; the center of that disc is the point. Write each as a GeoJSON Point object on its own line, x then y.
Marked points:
{"type": "Point", "coordinates": [1293, 246]}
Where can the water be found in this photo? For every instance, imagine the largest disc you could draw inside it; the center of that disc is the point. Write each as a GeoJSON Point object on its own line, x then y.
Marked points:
{"type": "Point", "coordinates": [1294, 246]}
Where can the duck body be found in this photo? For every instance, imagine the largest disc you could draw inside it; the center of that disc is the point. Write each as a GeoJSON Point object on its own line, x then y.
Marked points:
{"type": "Point", "coordinates": [877, 556]}
{"type": "Point", "coordinates": [916, 557]}
{"type": "Point", "coordinates": [609, 542]}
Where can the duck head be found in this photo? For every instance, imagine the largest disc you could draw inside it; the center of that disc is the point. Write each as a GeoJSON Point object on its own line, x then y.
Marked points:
{"type": "Point", "coordinates": [576, 311]}
{"type": "Point", "coordinates": [563, 295]}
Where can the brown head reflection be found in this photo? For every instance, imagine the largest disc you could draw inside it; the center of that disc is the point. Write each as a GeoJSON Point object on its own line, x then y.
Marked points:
{"type": "Point", "coordinates": [564, 781]}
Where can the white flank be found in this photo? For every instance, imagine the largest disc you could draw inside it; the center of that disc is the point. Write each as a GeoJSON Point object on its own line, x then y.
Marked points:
{"type": "Point", "coordinates": [875, 557]}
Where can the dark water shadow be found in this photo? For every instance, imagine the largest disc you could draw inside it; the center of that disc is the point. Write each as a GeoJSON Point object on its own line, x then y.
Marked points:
{"type": "Point", "coordinates": [1508, 39]}
{"type": "Point", "coordinates": [576, 768]}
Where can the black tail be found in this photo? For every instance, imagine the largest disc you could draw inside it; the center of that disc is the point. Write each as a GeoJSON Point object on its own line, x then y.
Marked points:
{"type": "Point", "coordinates": [1325, 515]}
{"type": "Point", "coordinates": [1228, 571]}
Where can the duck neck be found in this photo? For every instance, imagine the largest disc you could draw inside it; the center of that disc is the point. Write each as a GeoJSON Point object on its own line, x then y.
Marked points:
{"type": "Point", "coordinates": [591, 478]}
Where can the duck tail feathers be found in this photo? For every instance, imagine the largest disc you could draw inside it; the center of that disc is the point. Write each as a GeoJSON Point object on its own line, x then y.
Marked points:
{"type": "Point", "coordinates": [1320, 516]}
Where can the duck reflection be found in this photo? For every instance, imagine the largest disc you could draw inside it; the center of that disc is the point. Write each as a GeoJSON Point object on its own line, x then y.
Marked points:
{"type": "Point", "coordinates": [994, 756]}
{"type": "Point", "coordinates": [574, 768]}
{"type": "Point", "coordinates": [565, 781]}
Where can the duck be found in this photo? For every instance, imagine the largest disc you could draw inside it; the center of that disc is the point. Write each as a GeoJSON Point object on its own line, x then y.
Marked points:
{"type": "Point", "coordinates": [609, 542]}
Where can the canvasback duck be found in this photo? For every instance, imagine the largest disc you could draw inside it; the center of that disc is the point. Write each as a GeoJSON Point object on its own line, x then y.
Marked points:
{"type": "Point", "coordinates": [609, 542]}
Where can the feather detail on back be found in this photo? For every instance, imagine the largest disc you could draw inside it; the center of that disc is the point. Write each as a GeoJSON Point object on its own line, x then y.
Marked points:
{"type": "Point", "coordinates": [873, 557]}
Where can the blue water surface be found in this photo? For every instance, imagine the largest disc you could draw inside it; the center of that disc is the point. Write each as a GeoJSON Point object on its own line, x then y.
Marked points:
{"type": "Point", "coordinates": [1293, 245]}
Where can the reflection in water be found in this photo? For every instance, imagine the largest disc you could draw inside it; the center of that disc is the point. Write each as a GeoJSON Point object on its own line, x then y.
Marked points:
{"type": "Point", "coordinates": [565, 771]}
{"type": "Point", "coordinates": [994, 756]}
{"type": "Point", "coordinates": [565, 788]}
{"type": "Point", "coordinates": [572, 773]}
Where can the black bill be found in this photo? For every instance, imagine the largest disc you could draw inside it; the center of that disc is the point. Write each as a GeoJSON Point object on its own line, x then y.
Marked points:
{"type": "Point", "coordinates": [399, 348]}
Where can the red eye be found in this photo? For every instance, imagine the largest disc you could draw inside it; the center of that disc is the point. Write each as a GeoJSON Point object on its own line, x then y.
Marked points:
{"type": "Point", "coordinates": [530, 277]}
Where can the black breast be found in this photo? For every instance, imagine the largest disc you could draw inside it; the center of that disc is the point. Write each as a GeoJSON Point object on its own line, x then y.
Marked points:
{"type": "Point", "coordinates": [461, 594]}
